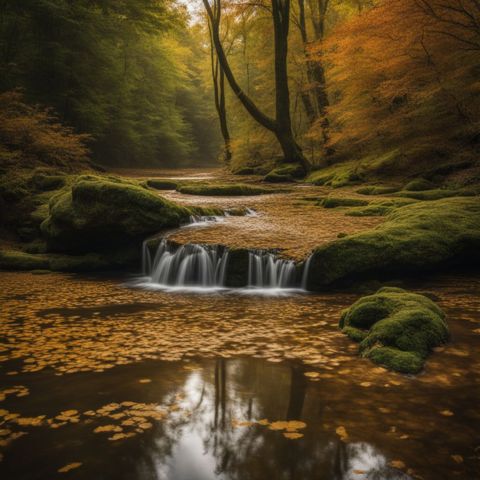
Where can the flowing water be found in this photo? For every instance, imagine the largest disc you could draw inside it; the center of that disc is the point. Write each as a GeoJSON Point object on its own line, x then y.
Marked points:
{"type": "Point", "coordinates": [103, 381]}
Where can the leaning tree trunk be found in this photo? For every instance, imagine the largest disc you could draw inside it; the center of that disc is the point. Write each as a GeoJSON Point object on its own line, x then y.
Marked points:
{"type": "Point", "coordinates": [281, 125]}
{"type": "Point", "coordinates": [218, 79]}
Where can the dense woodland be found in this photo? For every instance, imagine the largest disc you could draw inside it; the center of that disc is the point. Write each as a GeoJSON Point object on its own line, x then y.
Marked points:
{"type": "Point", "coordinates": [170, 83]}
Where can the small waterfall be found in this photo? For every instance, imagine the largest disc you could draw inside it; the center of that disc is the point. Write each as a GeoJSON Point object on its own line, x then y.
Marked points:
{"type": "Point", "coordinates": [203, 220]}
{"type": "Point", "coordinates": [267, 271]}
{"type": "Point", "coordinates": [186, 266]}
{"type": "Point", "coordinates": [306, 269]}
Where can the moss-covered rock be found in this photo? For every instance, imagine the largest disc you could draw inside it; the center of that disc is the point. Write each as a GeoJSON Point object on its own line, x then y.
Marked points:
{"type": "Point", "coordinates": [98, 213]}
{"type": "Point", "coordinates": [161, 184]}
{"type": "Point", "coordinates": [335, 202]}
{"type": "Point", "coordinates": [378, 209]}
{"type": "Point", "coordinates": [274, 177]}
{"type": "Point", "coordinates": [223, 190]}
{"type": "Point", "coordinates": [395, 328]}
{"type": "Point", "coordinates": [419, 184]}
{"type": "Point", "coordinates": [377, 190]}
{"type": "Point", "coordinates": [437, 194]}
{"type": "Point", "coordinates": [413, 239]}
{"type": "Point", "coordinates": [285, 173]}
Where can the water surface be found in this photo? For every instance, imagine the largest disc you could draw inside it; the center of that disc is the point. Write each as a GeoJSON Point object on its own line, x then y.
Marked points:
{"type": "Point", "coordinates": [127, 383]}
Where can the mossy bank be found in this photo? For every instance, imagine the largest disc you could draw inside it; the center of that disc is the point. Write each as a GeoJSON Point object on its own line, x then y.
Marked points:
{"type": "Point", "coordinates": [424, 236]}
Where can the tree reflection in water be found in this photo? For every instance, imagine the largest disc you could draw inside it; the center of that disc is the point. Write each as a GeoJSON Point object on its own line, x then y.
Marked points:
{"type": "Point", "coordinates": [205, 445]}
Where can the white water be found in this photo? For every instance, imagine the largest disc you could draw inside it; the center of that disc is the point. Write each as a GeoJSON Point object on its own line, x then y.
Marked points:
{"type": "Point", "coordinates": [186, 266]}
{"type": "Point", "coordinates": [306, 269]}
{"type": "Point", "coordinates": [205, 267]}
{"type": "Point", "coordinates": [267, 271]}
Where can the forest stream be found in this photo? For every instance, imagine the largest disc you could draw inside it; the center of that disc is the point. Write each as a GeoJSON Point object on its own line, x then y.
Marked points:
{"type": "Point", "coordinates": [106, 376]}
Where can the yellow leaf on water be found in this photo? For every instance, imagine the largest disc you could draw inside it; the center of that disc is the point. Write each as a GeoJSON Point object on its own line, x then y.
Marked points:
{"type": "Point", "coordinates": [397, 464]}
{"type": "Point", "coordinates": [263, 422]}
{"type": "Point", "coordinates": [447, 413]}
{"type": "Point", "coordinates": [312, 374]}
{"type": "Point", "coordinates": [145, 380]}
{"type": "Point", "coordinates": [69, 413]}
{"type": "Point", "coordinates": [457, 458]}
{"type": "Point", "coordinates": [365, 384]}
{"type": "Point", "coordinates": [292, 435]}
{"type": "Point", "coordinates": [108, 428]}
{"type": "Point", "coordinates": [70, 466]}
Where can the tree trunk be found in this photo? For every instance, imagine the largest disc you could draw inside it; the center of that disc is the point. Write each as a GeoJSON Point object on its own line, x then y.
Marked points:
{"type": "Point", "coordinates": [218, 79]}
{"type": "Point", "coordinates": [281, 125]}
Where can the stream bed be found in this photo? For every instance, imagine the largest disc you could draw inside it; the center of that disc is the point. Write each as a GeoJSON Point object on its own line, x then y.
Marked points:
{"type": "Point", "coordinates": [139, 378]}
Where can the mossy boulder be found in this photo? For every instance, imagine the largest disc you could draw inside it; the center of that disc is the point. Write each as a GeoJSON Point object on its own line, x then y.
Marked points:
{"type": "Point", "coordinates": [377, 190]}
{"type": "Point", "coordinates": [285, 173]}
{"type": "Point", "coordinates": [379, 208]}
{"type": "Point", "coordinates": [436, 194]}
{"type": "Point", "coordinates": [222, 190]}
{"type": "Point", "coordinates": [98, 213]}
{"type": "Point", "coordinates": [157, 184]}
{"type": "Point", "coordinates": [395, 328]}
{"type": "Point", "coordinates": [418, 185]}
{"type": "Point", "coordinates": [335, 202]}
{"type": "Point", "coordinates": [274, 177]}
{"type": "Point", "coordinates": [416, 238]}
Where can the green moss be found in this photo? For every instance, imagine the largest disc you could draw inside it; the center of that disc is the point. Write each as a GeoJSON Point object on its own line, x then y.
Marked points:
{"type": "Point", "coordinates": [395, 328]}
{"type": "Point", "coordinates": [336, 176]}
{"type": "Point", "coordinates": [377, 190]}
{"type": "Point", "coordinates": [18, 260]}
{"type": "Point", "coordinates": [378, 209]}
{"type": "Point", "coordinates": [334, 202]}
{"type": "Point", "coordinates": [285, 173]}
{"type": "Point", "coordinates": [161, 184]}
{"type": "Point", "coordinates": [274, 177]}
{"type": "Point", "coordinates": [415, 238]}
{"type": "Point", "coordinates": [97, 213]}
{"type": "Point", "coordinates": [47, 183]}
{"type": "Point", "coordinates": [436, 194]}
{"type": "Point", "coordinates": [419, 184]}
{"type": "Point", "coordinates": [223, 190]}
{"type": "Point", "coordinates": [207, 211]}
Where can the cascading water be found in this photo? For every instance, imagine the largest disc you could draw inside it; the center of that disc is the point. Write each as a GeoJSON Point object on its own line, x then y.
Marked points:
{"type": "Point", "coordinates": [306, 269]}
{"type": "Point", "coordinates": [186, 266]}
{"type": "Point", "coordinates": [206, 267]}
{"type": "Point", "coordinates": [267, 271]}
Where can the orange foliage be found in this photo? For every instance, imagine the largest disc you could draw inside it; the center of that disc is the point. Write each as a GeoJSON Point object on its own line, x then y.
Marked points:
{"type": "Point", "coordinates": [405, 74]}
{"type": "Point", "coordinates": [35, 134]}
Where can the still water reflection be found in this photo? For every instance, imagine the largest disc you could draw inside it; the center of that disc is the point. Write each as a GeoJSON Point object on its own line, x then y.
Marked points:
{"type": "Point", "coordinates": [211, 431]}
{"type": "Point", "coordinates": [122, 384]}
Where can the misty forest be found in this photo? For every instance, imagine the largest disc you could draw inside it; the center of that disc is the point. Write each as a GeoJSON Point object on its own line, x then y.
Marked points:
{"type": "Point", "coordinates": [240, 240]}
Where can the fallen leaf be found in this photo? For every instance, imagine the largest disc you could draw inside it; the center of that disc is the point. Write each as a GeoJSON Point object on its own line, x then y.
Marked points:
{"type": "Point", "coordinates": [70, 466]}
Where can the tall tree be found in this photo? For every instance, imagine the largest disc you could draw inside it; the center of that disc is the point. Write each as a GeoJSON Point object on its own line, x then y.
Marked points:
{"type": "Point", "coordinates": [281, 125]}
{"type": "Point", "coordinates": [315, 98]}
{"type": "Point", "coordinates": [218, 79]}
